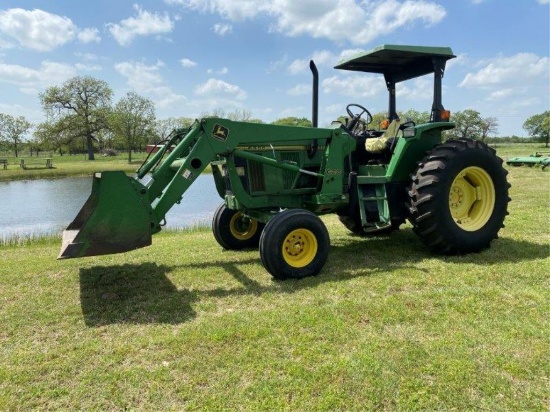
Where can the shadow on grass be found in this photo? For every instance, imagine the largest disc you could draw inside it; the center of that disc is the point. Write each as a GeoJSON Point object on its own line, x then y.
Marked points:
{"type": "Point", "coordinates": [404, 247]}
{"type": "Point", "coordinates": [142, 293]}
{"type": "Point", "coordinates": [132, 294]}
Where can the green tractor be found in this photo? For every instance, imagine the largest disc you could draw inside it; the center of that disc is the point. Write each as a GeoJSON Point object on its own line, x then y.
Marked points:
{"type": "Point", "coordinates": [275, 181]}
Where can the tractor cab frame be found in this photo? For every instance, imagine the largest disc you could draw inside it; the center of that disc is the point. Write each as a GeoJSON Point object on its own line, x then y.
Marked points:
{"type": "Point", "coordinates": [400, 63]}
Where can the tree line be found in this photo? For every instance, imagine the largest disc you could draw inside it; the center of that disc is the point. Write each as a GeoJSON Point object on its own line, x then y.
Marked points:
{"type": "Point", "coordinates": [80, 117]}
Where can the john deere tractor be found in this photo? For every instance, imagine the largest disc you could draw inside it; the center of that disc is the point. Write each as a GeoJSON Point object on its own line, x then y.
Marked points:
{"type": "Point", "coordinates": [275, 181]}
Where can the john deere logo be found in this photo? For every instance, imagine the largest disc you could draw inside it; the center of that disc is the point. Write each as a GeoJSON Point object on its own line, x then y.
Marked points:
{"type": "Point", "coordinates": [220, 132]}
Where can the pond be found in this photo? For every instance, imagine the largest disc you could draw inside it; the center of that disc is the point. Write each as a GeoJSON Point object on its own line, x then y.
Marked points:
{"type": "Point", "coordinates": [43, 207]}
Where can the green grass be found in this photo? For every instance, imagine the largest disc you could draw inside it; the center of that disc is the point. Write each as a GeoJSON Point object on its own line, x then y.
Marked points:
{"type": "Point", "coordinates": [64, 166]}
{"type": "Point", "coordinates": [183, 325]}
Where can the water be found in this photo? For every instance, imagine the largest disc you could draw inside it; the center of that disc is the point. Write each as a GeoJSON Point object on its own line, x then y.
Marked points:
{"type": "Point", "coordinates": [43, 207]}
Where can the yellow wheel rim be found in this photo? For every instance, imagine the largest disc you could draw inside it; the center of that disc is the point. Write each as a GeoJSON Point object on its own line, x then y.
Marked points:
{"type": "Point", "coordinates": [299, 248]}
{"type": "Point", "coordinates": [472, 198]}
{"type": "Point", "coordinates": [242, 227]}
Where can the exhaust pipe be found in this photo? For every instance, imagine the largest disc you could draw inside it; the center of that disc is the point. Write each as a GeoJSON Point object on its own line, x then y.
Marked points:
{"type": "Point", "coordinates": [315, 100]}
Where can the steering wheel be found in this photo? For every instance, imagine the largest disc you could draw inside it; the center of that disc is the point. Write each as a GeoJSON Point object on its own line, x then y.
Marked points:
{"type": "Point", "coordinates": [355, 118]}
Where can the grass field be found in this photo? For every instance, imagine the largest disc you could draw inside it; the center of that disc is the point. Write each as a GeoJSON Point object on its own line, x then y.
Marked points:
{"type": "Point", "coordinates": [183, 325]}
{"type": "Point", "coordinates": [77, 165]}
{"type": "Point", "coordinates": [66, 165]}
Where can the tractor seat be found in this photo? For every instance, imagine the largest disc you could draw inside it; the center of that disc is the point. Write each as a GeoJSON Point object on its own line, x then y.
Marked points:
{"type": "Point", "coordinates": [378, 144]}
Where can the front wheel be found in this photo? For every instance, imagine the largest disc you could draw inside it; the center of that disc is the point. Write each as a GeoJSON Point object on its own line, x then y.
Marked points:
{"type": "Point", "coordinates": [233, 230]}
{"type": "Point", "coordinates": [294, 244]}
{"type": "Point", "coordinates": [458, 197]}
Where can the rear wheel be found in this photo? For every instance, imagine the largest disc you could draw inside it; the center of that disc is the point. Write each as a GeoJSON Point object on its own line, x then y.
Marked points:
{"type": "Point", "coordinates": [459, 197]}
{"type": "Point", "coordinates": [233, 230]}
{"type": "Point", "coordinates": [294, 244]}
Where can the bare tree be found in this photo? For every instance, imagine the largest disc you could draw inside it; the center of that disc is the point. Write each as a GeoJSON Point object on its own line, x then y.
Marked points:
{"type": "Point", "coordinates": [488, 125]}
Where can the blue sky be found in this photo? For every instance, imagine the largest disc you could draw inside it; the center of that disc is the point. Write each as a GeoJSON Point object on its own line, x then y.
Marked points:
{"type": "Point", "coordinates": [196, 56]}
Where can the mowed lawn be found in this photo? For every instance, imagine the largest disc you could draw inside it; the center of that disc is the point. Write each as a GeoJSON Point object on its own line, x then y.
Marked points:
{"type": "Point", "coordinates": [183, 325]}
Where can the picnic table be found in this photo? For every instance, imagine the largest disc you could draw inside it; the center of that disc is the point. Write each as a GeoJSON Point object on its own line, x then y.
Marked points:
{"type": "Point", "coordinates": [36, 163]}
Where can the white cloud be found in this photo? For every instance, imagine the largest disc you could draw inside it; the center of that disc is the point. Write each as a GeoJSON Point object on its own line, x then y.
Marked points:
{"type": "Point", "coordinates": [232, 10]}
{"type": "Point", "coordinates": [354, 85]}
{"type": "Point", "coordinates": [460, 60]}
{"type": "Point", "coordinates": [337, 20]}
{"type": "Point", "coordinates": [89, 35]}
{"type": "Point", "coordinates": [86, 56]}
{"type": "Point", "coordinates": [144, 24]}
{"type": "Point", "coordinates": [222, 29]}
{"type": "Point", "coordinates": [299, 90]}
{"type": "Point", "coordinates": [148, 80]}
{"type": "Point", "coordinates": [501, 94]}
{"type": "Point", "coordinates": [220, 89]}
{"type": "Point", "coordinates": [31, 80]}
{"type": "Point", "coordinates": [321, 58]}
{"type": "Point", "coordinates": [32, 114]}
{"type": "Point", "coordinates": [187, 63]}
{"type": "Point", "coordinates": [88, 67]}
{"type": "Point", "coordinates": [522, 67]}
{"type": "Point", "coordinates": [37, 29]}
{"type": "Point", "coordinates": [419, 89]}
{"type": "Point", "coordinates": [140, 76]}
{"type": "Point", "coordinates": [543, 1]}
{"type": "Point", "coordinates": [223, 70]}
{"type": "Point", "coordinates": [275, 66]}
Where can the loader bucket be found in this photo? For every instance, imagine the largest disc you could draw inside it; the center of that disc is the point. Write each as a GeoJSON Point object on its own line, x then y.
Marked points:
{"type": "Point", "coordinates": [116, 218]}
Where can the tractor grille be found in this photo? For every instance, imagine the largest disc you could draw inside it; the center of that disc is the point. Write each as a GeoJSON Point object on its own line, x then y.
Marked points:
{"type": "Point", "coordinates": [288, 176]}
{"type": "Point", "coordinates": [256, 173]}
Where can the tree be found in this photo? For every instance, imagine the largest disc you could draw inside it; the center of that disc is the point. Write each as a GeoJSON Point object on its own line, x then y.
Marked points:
{"type": "Point", "coordinates": [79, 108]}
{"type": "Point", "coordinates": [13, 129]}
{"type": "Point", "coordinates": [415, 116]}
{"type": "Point", "coordinates": [240, 115]}
{"type": "Point", "coordinates": [488, 125]}
{"type": "Point", "coordinates": [293, 121]}
{"type": "Point", "coordinates": [538, 126]}
{"type": "Point", "coordinates": [468, 125]}
{"type": "Point", "coordinates": [133, 120]}
{"type": "Point", "coordinates": [164, 127]}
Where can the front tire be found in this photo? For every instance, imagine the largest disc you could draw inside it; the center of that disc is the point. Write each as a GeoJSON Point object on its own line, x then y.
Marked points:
{"type": "Point", "coordinates": [458, 197]}
{"type": "Point", "coordinates": [234, 231]}
{"type": "Point", "coordinates": [294, 244]}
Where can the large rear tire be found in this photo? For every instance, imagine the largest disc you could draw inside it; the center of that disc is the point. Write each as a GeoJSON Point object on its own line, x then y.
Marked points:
{"type": "Point", "coordinates": [233, 230]}
{"type": "Point", "coordinates": [459, 197]}
{"type": "Point", "coordinates": [294, 244]}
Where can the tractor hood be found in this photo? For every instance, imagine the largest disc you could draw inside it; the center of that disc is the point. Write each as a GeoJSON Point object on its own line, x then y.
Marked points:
{"type": "Point", "coordinates": [397, 63]}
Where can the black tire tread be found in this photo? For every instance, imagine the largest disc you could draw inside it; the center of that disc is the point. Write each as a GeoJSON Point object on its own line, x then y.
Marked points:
{"type": "Point", "coordinates": [427, 199]}
{"type": "Point", "coordinates": [271, 242]}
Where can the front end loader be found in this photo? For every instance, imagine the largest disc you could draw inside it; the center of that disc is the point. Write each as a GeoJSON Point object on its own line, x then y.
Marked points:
{"type": "Point", "coordinates": [275, 181]}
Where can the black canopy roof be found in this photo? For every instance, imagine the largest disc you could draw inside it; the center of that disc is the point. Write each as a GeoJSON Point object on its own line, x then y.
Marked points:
{"type": "Point", "coordinates": [397, 63]}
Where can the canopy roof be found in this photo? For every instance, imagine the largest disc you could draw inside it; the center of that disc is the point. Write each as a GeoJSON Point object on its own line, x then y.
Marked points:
{"type": "Point", "coordinates": [397, 63]}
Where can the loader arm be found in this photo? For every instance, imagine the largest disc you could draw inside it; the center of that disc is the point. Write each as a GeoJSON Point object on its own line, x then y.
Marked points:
{"type": "Point", "coordinates": [122, 213]}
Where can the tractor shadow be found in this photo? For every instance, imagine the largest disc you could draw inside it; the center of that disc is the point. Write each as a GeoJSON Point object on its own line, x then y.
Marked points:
{"type": "Point", "coordinates": [404, 247]}
{"type": "Point", "coordinates": [143, 293]}
{"type": "Point", "coordinates": [132, 293]}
